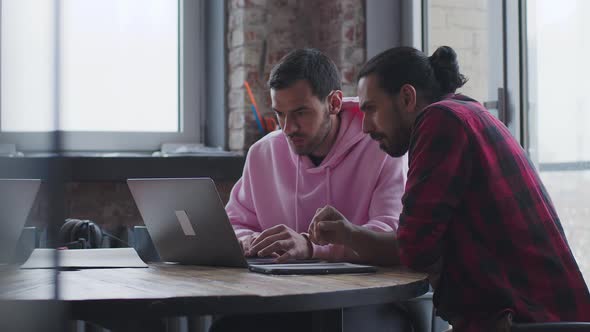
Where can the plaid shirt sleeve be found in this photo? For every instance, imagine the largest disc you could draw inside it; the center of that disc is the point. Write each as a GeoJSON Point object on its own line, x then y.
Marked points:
{"type": "Point", "coordinates": [439, 170]}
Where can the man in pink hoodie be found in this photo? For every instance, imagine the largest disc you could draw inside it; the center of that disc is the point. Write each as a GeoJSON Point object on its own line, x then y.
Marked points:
{"type": "Point", "coordinates": [319, 157]}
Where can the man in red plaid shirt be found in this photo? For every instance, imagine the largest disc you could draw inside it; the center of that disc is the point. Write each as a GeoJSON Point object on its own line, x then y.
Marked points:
{"type": "Point", "coordinates": [476, 216]}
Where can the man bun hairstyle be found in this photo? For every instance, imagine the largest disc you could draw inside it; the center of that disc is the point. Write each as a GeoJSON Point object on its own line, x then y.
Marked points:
{"type": "Point", "coordinates": [446, 70]}
{"type": "Point", "coordinates": [432, 77]}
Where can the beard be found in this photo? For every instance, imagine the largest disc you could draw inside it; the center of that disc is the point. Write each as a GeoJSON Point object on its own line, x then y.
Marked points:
{"type": "Point", "coordinates": [397, 150]}
{"type": "Point", "coordinates": [396, 140]}
{"type": "Point", "coordinates": [396, 146]}
{"type": "Point", "coordinates": [315, 141]}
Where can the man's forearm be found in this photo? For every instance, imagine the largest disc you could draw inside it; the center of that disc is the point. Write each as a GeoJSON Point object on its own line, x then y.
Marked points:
{"type": "Point", "coordinates": [379, 248]}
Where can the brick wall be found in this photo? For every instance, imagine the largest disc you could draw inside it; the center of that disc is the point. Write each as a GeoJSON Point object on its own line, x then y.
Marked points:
{"type": "Point", "coordinates": [260, 32]}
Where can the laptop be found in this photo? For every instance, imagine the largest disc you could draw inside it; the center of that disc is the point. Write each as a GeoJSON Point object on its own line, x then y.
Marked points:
{"type": "Point", "coordinates": [16, 199]}
{"type": "Point", "coordinates": [187, 222]}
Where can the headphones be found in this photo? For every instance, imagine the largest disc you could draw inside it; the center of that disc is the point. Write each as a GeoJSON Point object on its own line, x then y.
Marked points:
{"type": "Point", "coordinates": [80, 234]}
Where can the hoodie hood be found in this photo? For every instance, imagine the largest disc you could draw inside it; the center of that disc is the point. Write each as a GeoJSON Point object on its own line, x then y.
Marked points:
{"type": "Point", "coordinates": [350, 133]}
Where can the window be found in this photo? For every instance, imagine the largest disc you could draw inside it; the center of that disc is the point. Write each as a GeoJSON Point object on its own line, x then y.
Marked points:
{"type": "Point", "coordinates": [28, 66]}
{"type": "Point", "coordinates": [118, 75]}
{"type": "Point", "coordinates": [485, 36]}
{"type": "Point", "coordinates": [119, 61]}
{"type": "Point", "coordinates": [471, 29]}
{"type": "Point", "coordinates": [558, 110]}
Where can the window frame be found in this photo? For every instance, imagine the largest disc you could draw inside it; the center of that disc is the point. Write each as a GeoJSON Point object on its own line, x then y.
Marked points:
{"type": "Point", "coordinates": [513, 66]}
{"type": "Point", "coordinates": [192, 101]}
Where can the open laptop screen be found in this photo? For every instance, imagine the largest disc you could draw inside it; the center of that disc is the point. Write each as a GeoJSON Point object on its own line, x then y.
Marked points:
{"type": "Point", "coordinates": [16, 200]}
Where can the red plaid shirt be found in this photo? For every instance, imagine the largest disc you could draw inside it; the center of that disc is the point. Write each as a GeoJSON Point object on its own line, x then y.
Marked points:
{"type": "Point", "coordinates": [474, 199]}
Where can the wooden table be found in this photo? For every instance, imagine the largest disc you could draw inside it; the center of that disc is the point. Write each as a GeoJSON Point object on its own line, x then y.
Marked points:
{"type": "Point", "coordinates": [173, 290]}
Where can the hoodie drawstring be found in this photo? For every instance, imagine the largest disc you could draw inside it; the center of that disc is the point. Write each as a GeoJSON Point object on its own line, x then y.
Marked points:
{"type": "Point", "coordinates": [329, 191]}
{"type": "Point", "coordinates": [297, 194]}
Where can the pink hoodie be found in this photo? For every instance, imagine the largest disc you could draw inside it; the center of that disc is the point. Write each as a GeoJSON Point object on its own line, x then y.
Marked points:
{"type": "Point", "coordinates": [281, 187]}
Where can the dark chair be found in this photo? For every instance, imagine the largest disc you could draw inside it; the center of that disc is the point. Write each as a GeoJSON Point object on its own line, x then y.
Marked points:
{"type": "Point", "coordinates": [423, 314]}
{"type": "Point", "coordinates": [547, 327]}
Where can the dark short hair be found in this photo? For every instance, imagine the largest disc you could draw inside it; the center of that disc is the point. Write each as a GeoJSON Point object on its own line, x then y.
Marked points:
{"type": "Point", "coordinates": [306, 64]}
{"type": "Point", "coordinates": [432, 76]}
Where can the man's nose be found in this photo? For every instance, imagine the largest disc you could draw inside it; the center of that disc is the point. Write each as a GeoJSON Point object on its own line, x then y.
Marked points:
{"type": "Point", "coordinates": [367, 124]}
{"type": "Point", "coordinates": [289, 126]}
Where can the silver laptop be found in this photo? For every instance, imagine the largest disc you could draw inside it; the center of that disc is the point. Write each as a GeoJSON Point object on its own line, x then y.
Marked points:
{"type": "Point", "coordinates": [188, 224]}
{"type": "Point", "coordinates": [16, 200]}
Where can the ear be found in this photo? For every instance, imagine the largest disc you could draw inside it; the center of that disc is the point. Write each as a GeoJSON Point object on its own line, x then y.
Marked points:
{"type": "Point", "coordinates": [408, 97]}
{"type": "Point", "coordinates": [335, 102]}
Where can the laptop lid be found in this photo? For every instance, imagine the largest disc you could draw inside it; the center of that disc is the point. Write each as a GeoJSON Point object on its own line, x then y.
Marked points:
{"type": "Point", "coordinates": [187, 221]}
{"type": "Point", "coordinates": [16, 199]}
